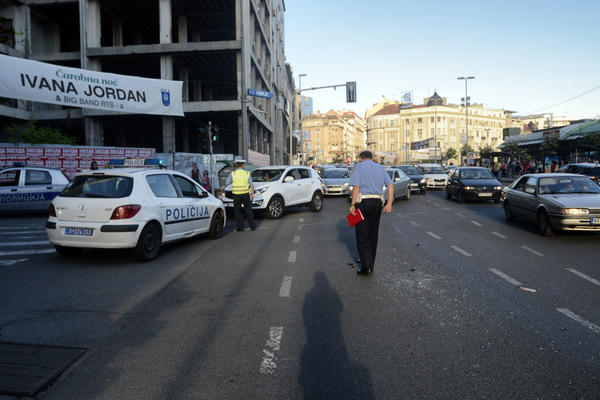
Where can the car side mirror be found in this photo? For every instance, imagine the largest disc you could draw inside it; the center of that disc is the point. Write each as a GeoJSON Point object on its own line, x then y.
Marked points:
{"type": "Point", "coordinates": [288, 179]}
{"type": "Point", "coordinates": [203, 194]}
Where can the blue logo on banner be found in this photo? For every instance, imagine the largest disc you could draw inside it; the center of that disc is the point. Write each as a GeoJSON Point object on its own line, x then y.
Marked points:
{"type": "Point", "coordinates": [166, 97]}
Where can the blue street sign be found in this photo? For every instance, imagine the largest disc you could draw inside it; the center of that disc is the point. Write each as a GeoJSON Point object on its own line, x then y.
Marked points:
{"type": "Point", "coordinates": [260, 93]}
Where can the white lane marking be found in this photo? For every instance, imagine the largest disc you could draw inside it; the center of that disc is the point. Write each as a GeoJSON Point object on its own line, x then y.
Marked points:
{"type": "Point", "coordinates": [34, 243]}
{"type": "Point", "coordinates": [433, 235]}
{"type": "Point", "coordinates": [400, 215]}
{"type": "Point", "coordinates": [26, 252]}
{"type": "Point", "coordinates": [301, 220]}
{"type": "Point", "coordinates": [12, 262]}
{"type": "Point", "coordinates": [414, 223]}
{"type": "Point", "coordinates": [476, 223]}
{"type": "Point", "coordinates": [20, 232]}
{"type": "Point", "coordinates": [461, 251]}
{"type": "Point", "coordinates": [446, 209]}
{"type": "Point", "coordinates": [460, 215]}
{"type": "Point", "coordinates": [584, 276]}
{"type": "Point", "coordinates": [296, 239]}
{"type": "Point", "coordinates": [429, 201]}
{"type": "Point", "coordinates": [499, 235]}
{"type": "Point", "coordinates": [506, 277]}
{"type": "Point", "coordinates": [595, 328]}
{"type": "Point", "coordinates": [286, 286]}
{"type": "Point", "coordinates": [436, 204]}
{"type": "Point", "coordinates": [268, 364]}
{"type": "Point", "coordinates": [537, 253]}
{"type": "Point", "coordinates": [292, 257]}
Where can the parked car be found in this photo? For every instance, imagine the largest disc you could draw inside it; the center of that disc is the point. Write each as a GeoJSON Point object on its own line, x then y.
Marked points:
{"type": "Point", "coordinates": [401, 184]}
{"type": "Point", "coordinates": [29, 188]}
{"type": "Point", "coordinates": [589, 169]}
{"type": "Point", "coordinates": [473, 183]}
{"type": "Point", "coordinates": [555, 202]}
{"type": "Point", "coordinates": [336, 181]}
{"type": "Point", "coordinates": [137, 208]}
{"type": "Point", "coordinates": [278, 187]}
{"type": "Point", "coordinates": [418, 182]}
{"type": "Point", "coordinates": [435, 176]}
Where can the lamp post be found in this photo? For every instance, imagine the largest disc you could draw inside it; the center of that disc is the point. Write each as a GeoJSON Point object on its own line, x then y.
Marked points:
{"type": "Point", "coordinates": [466, 103]}
{"type": "Point", "coordinates": [301, 131]}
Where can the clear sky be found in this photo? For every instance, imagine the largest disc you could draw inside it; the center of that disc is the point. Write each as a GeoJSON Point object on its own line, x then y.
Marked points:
{"type": "Point", "coordinates": [525, 55]}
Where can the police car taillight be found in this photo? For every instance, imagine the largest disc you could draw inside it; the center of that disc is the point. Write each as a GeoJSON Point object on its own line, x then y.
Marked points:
{"type": "Point", "coordinates": [125, 212]}
{"type": "Point", "coordinates": [51, 210]}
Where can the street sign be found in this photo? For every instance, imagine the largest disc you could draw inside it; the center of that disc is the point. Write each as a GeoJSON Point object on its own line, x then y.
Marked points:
{"type": "Point", "coordinates": [260, 93]}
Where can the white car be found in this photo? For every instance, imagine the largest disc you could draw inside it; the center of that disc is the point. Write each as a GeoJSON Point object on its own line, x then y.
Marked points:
{"type": "Point", "coordinates": [435, 176]}
{"type": "Point", "coordinates": [29, 188]}
{"type": "Point", "coordinates": [136, 208]}
{"type": "Point", "coordinates": [278, 187]}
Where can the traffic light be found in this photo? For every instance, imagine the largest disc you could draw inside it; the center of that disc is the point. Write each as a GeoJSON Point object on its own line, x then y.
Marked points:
{"type": "Point", "coordinates": [204, 140]}
{"type": "Point", "coordinates": [215, 133]}
{"type": "Point", "coordinates": [350, 92]}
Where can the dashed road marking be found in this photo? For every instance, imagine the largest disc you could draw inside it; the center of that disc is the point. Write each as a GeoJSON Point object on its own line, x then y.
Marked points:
{"type": "Point", "coordinates": [12, 262]}
{"type": "Point", "coordinates": [286, 286]}
{"type": "Point", "coordinates": [268, 364]}
{"type": "Point", "coordinates": [460, 215]}
{"type": "Point", "coordinates": [17, 244]}
{"type": "Point", "coordinates": [429, 201]}
{"type": "Point", "coordinates": [595, 328]}
{"type": "Point", "coordinates": [446, 209]}
{"type": "Point", "coordinates": [414, 223]}
{"type": "Point", "coordinates": [506, 277]}
{"type": "Point", "coordinates": [296, 239]}
{"type": "Point", "coordinates": [292, 257]}
{"type": "Point", "coordinates": [537, 253]}
{"type": "Point", "coordinates": [461, 251]}
{"type": "Point", "coordinates": [301, 220]}
{"type": "Point", "coordinates": [584, 276]}
{"type": "Point", "coordinates": [436, 204]}
{"type": "Point", "coordinates": [433, 235]}
{"type": "Point", "coordinates": [26, 252]}
{"type": "Point", "coordinates": [476, 223]}
{"type": "Point", "coordinates": [499, 235]}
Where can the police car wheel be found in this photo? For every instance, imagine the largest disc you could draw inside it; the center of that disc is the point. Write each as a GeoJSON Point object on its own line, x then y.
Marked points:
{"type": "Point", "coordinates": [67, 251]}
{"type": "Point", "coordinates": [148, 244]}
{"type": "Point", "coordinates": [275, 208]}
{"type": "Point", "coordinates": [216, 226]}
{"type": "Point", "coordinates": [317, 202]}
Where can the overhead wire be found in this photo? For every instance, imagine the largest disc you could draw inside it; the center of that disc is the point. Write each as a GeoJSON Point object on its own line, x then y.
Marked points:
{"type": "Point", "coordinates": [565, 101]}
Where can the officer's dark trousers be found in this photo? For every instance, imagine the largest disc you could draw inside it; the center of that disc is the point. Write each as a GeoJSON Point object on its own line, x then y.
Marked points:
{"type": "Point", "coordinates": [367, 231]}
{"type": "Point", "coordinates": [238, 201]}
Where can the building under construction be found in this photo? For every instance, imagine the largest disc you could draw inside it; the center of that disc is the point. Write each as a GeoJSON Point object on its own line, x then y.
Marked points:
{"type": "Point", "coordinates": [219, 49]}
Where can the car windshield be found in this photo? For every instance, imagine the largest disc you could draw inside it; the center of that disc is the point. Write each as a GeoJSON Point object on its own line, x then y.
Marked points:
{"type": "Point", "coordinates": [475, 173]}
{"type": "Point", "coordinates": [410, 170]}
{"type": "Point", "coordinates": [266, 175]}
{"type": "Point", "coordinates": [99, 186]}
{"type": "Point", "coordinates": [591, 171]}
{"type": "Point", "coordinates": [432, 170]}
{"type": "Point", "coordinates": [571, 184]}
{"type": "Point", "coordinates": [336, 174]}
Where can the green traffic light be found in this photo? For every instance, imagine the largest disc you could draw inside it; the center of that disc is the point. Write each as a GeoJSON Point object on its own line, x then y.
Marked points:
{"type": "Point", "coordinates": [214, 138]}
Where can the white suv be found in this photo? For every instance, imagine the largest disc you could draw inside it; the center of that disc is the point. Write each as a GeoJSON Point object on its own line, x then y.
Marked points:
{"type": "Point", "coordinates": [277, 187]}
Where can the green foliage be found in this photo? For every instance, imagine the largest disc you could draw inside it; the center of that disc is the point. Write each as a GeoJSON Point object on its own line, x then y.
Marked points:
{"type": "Point", "coordinates": [33, 133]}
{"type": "Point", "coordinates": [486, 151]}
{"type": "Point", "coordinates": [591, 141]}
{"type": "Point", "coordinates": [550, 145]}
{"type": "Point", "coordinates": [464, 150]}
{"type": "Point", "coordinates": [514, 149]}
{"type": "Point", "coordinates": [450, 153]}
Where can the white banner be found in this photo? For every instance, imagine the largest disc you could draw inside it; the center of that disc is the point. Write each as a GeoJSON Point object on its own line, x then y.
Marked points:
{"type": "Point", "coordinates": [48, 83]}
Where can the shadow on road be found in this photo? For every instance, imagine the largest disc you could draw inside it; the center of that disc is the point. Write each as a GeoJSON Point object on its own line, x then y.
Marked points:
{"type": "Point", "coordinates": [326, 371]}
{"type": "Point", "coordinates": [346, 236]}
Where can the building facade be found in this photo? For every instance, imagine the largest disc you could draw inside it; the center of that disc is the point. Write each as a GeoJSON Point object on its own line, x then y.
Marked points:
{"type": "Point", "coordinates": [530, 123]}
{"type": "Point", "coordinates": [218, 48]}
{"type": "Point", "coordinates": [336, 136]}
{"type": "Point", "coordinates": [425, 132]}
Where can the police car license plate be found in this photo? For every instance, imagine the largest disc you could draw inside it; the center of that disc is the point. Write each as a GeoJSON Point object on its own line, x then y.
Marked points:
{"type": "Point", "coordinates": [595, 221]}
{"type": "Point", "coordinates": [485, 195]}
{"type": "Point", "coordinates": [79, 231]}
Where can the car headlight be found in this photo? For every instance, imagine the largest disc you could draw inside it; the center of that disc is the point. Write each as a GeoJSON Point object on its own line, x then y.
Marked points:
{"type": "Point", "coordinates": [468, 188]}
{"type": "Point", "coordinates": [346, 184]}
{"type": "Point", "coordinates": [261, 190]}
{"type": "Point", "coordinates": [575, 211]}
{"type": "Point", "coordinates": [422, 180]}
{"type": "Point", "coordinates": [351, 187]}
{"type": "Point", "coordinates": [497, 187]}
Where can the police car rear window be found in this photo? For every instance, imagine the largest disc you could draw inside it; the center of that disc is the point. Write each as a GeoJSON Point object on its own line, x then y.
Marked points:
{"type": "Point", "coordinates": [99, 186]}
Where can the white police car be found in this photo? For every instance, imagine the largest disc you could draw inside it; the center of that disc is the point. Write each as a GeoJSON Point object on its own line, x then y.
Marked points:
{"type": "Point", "coordinates": [136, 208]}
{"type": "Point", "coordinates": [29, 188]}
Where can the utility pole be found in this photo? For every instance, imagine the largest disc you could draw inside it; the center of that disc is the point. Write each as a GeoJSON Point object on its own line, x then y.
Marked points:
{"type": "Point", "coordinates": [466, 103]}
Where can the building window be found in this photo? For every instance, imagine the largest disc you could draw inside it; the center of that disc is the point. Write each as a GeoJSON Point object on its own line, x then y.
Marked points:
{"type": "Point", "coordinates": [391, 122]}
{"type": "Point", "coordinates": [420, 120]}
{"type": "Point", "coordinates": [431, 119]}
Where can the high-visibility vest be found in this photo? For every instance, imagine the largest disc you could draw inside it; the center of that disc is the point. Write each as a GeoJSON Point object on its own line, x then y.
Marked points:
{"type": "Point", "coordinates": [239, 181]}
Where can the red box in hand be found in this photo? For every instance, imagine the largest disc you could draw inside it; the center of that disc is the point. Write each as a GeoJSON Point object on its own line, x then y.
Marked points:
{"type": "Point", "coordinates": [355, 218]}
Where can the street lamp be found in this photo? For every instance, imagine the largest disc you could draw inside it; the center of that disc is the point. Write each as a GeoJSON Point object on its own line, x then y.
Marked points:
{"type": "Point", "coordinates": [466, 103]}
{"type": "Point", "coordinates": [300, 122]}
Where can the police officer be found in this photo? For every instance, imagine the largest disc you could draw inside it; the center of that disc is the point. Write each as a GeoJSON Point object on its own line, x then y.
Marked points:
{"type": "Point", "coordinates": [368, 180]}
{"type": "Point", "coordinates": [242, 189]}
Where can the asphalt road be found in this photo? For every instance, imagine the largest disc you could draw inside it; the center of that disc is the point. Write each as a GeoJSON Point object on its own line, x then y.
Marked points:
{"type": "Point", "coordinates": [462, 305]}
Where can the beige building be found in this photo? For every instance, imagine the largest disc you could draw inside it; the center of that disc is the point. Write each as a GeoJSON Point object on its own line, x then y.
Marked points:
{"type": "Point", "coordinates": [410, 131]}
{"type": "Point", "coordinates": [530, 123]}
{"type": "Point", "coordinates": [333, 136]}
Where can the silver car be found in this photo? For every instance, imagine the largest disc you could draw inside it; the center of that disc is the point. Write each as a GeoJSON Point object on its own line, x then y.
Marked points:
{"type": "Point", "coordinates": [554, 201]}
{"type": "Point", "coordinates": [336, 181]}
{"type": "Point", "coordinates": [30, 188]}
{"type": "Point", "coordinates": [401, 184]}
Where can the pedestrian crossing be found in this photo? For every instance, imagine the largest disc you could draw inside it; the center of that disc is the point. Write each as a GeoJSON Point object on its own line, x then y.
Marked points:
{"type": "Point", "coordinates": [19, 243]}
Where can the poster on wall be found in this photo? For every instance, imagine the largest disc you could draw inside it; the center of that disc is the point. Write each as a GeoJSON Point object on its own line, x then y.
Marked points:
{"type": "Point", "coordinates": [56, 84]}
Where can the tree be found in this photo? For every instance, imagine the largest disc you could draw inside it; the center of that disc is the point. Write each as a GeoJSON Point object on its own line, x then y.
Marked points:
{"type": "Point", "coordinates": [591, 141]}
{"type": "Point", "coordinates": [450, 153]}
{"type": "Point", "coordinates": [465, 149]}
{"type": "Point", "coordinates": [33, 133]}
{"type": "Point", "coordinates": [550, 145]}
{"type": "Point", "coordinates": [513, 149]}
{"type": "Point", "coordinates": [486, 151]}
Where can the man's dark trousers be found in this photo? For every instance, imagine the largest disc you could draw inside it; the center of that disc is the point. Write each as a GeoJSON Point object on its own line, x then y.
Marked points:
{"type": "Point", "coordinates": [367, 231]}
{"type": "Point", "coordinates": [238, 200]}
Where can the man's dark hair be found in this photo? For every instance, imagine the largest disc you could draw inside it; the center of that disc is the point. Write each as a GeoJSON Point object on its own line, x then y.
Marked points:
{"type": "Point", "coordinates": [366, 155]}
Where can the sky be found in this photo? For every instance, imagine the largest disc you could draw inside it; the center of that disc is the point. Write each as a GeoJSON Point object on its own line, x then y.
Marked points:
{"type": "Point", "coordinates": [526, 55]}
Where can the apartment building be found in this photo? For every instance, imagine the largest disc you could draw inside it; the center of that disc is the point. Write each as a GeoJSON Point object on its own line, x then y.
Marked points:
{"type": "Point", "coordinates": [219, 49]}
{"type": "Point", "coordinates": [534, 122]}
{"type": "Point", "coordinates": [333, 137]}
{"type": "Point", "coordinates": [411, 131]}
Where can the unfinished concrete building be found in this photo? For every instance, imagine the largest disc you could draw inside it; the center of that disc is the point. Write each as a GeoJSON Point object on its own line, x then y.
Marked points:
{"type": "Point", "coordinates": [219, 48]}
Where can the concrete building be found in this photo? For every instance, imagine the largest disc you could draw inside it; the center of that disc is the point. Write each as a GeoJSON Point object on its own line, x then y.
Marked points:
{"type": "Point", "coordinates": [530, 123]}
{"type": "Point", "coordinates": [410, 131]}
{"type": "Point", "coordinates": [333, 136]}
{"type": "Point", "coordinates": [218, 48]}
